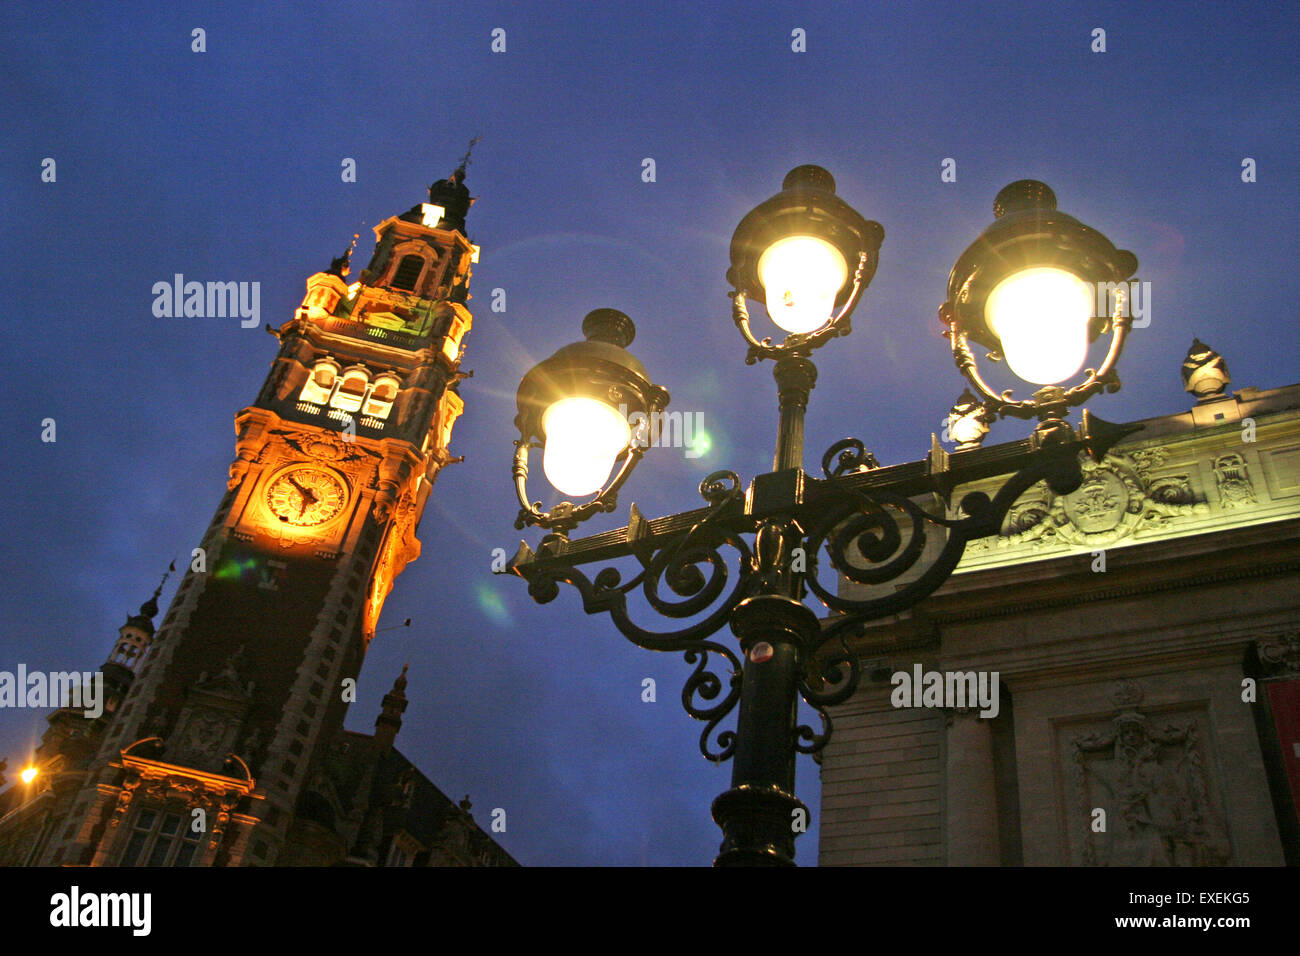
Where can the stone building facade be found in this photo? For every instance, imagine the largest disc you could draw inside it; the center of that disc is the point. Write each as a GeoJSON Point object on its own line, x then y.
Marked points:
{"type": "Point", "coordinates": [1145, 634]}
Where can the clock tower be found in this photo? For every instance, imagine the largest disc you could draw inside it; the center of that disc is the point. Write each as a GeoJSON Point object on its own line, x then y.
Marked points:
{"type": "Point", "coordinates": [227, 748]}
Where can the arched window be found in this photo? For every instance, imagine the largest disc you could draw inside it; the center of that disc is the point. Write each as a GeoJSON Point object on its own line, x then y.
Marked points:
{"type": "Point", "coordinates": [352, 390]}
{"type": "Point", "coordinates": [380, 402]}
{"type": "Point", "coordinates": [408, 272]}
{"type": "Point", "coordinates": [318, 387]}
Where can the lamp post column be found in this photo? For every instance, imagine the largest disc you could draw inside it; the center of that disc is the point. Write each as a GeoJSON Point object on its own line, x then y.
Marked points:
{"type": "Point", "coordinates": [760, 815]}
{"type": "Point", "coordinates": [795, 378]}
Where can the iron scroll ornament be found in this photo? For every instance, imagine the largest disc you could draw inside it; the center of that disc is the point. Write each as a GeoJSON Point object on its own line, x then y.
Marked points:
{"type": "Point", "coordinates": [677, 564]}
{"type": "Point", "coordinates": [870, 535]}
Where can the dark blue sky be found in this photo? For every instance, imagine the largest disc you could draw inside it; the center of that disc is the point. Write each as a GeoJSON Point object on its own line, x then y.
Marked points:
{"type": "Point", "coordinates": [225, 166]}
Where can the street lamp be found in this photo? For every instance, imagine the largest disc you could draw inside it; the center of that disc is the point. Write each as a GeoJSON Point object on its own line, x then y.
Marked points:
{"type": "Point", "coordinates": [795, 251]}
{"type": "Point", "coordinates": [1026, 289]}
{"type": "Point", "coordinates": [807, 256]}
{"type": "Point", "coordinates": [577, 405]}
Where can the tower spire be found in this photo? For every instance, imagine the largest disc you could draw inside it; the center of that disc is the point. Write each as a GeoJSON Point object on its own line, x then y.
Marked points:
{"type": "Point", "coordinates": [149, 608]}
{"type": "Point", "coordinates": [389, 721]}
{"type": "Point", "coordinates": [464, 160]}
{"type": "Point", "coordinates": [452, 195]}
{"type": "Point", "coordinates": [135, 636]}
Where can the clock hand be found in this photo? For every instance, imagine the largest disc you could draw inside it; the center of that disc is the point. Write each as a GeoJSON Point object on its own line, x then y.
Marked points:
{"type": "Point", "coordinates": [306, 495]}
{"type": "Point", "coordinates": [301, 490]}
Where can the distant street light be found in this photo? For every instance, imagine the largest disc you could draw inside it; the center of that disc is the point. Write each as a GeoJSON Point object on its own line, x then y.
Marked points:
{"type": "Point", "coordinates": [1022, 290]}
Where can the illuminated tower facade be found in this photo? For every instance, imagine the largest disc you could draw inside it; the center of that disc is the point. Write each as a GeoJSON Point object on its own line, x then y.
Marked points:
{"type": "Point", "coordinates": [233, 722]}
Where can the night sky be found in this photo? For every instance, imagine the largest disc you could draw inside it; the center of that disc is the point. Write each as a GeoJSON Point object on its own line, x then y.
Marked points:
{"type": "Point", "coordinates": [225, 166]}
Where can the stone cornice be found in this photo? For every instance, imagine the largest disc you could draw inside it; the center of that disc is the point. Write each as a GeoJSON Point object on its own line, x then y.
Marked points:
{"type": "Point", "coordinates": [212, 782]}
{"type": "Point", "coordinates": [1164, 565]}
{"type": "Point", "coordinates": [1029, 596]}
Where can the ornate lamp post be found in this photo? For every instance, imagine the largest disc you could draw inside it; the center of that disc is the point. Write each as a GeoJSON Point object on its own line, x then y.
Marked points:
{"type": "Point", "coordinates": [808, 256]}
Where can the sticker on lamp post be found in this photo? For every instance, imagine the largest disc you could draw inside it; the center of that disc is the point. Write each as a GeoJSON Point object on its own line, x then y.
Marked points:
{"type": "Point", "coordinates": [761, 652]}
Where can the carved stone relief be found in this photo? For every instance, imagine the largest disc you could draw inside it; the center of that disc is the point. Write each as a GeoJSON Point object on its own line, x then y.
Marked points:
{"type": "Point", "coordinates": [1117, 499]}
{"type": "Point", "coordinates": [1235, 488]}
{"type": "Point", "coordinates": [1138, 791]}
{"type": "Point", "coordinates": [209, 725]}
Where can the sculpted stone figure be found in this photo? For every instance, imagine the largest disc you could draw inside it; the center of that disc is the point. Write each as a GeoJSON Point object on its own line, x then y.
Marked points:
{"type": "Point", "coordinates": [1153, 790]}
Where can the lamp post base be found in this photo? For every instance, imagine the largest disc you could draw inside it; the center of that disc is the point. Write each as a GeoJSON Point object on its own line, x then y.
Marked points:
{"type": "Point", "coordinates": [759, 826]}
{"type": "Point", "coordinates": [760, 816]}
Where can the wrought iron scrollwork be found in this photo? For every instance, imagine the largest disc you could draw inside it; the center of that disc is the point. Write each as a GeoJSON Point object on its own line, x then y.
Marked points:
{"type": "Point", "coordinates": [809, 741]}
{"type": "Point", "coordinates": [835, 679]}
{"type": "Point", "coordinates": [853, 456]}
{"type": "Point", "coordinates": [872, 536]}
{"type": "Point", "coordinates": [686, 576]}
{"type": "Point", "coordinates": [705, 685]}
{"type": "Point", "coordinates": [676, 565]}
{"type": "Point", "coordinates": [876, 537]}
{"type": "Point", "coordinates": [867, 526]}
{"type": "Point", "coordinates": [720, 487]}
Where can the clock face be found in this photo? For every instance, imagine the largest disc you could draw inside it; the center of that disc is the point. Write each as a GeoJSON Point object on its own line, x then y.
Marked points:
{"type": "Point", "coordinates": [305, 497]}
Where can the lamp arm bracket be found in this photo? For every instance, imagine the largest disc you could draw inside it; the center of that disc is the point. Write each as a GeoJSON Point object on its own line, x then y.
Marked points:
{"type": "Point", "coordinates": [677, 563]}
{"type": "Point", "coordinates": [876, 537]}
{"type": "Point", "coordinates": [874, 532]}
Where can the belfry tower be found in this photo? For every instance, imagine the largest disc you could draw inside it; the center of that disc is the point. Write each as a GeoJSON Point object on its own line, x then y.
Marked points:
{"type": "Point", "coordinates": [234, 718]}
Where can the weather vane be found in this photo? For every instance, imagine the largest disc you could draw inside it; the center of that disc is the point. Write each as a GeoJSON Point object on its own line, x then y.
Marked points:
{"type": "Point", "coordinates": [464, 160]}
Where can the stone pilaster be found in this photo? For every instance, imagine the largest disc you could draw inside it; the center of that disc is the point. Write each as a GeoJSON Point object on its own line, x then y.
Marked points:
{"type": "Point", "coordinates": [971, 788]}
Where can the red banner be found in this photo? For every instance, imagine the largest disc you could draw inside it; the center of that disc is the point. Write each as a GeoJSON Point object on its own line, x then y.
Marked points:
{"type": "Point", "coordinates": [1284, 699]}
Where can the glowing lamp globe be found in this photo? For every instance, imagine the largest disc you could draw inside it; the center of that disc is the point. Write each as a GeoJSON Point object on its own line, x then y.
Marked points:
{"type": "Point", "coordinates": [798, 252]}
{"type": "Point", "coordinates": [1042, 318]}
{"type": "Point", "coordinates": [577, 407]}
{"type": "Point", "coordinates": [1026, 288]}
{"type": "Point", "coordinates": [584, 438]}
{"type": "Point", "coordinates": [802, 276]}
